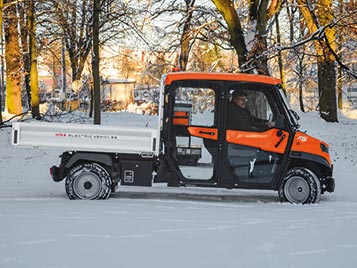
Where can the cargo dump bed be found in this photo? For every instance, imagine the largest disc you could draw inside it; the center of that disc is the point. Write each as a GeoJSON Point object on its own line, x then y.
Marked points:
{"type": "Point", "coordinates": [79, 137]}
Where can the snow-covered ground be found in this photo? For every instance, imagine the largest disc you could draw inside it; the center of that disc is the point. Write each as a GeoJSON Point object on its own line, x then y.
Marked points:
{"type": "Point", "coordinates": [164, 227]}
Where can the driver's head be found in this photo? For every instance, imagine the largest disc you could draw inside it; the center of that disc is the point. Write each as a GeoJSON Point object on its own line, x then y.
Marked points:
{"type": "Point", "coordinates": [240, 97]}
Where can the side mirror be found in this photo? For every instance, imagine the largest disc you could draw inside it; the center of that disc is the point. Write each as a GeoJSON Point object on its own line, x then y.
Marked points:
{"type": "Point", "coordinates": [279, 121]}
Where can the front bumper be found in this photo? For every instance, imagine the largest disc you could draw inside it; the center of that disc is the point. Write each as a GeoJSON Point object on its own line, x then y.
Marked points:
{"type": "Point", "coordinates": [328, 185]}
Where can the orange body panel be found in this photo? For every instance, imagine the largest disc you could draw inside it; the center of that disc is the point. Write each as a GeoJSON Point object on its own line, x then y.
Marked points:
{"type": "Point", "coordinates": [221, 76]}
{"type": "Point", "coordinates": [181, 118]}
{"type": "Point", "coordinates": [266, 141]}
{"type": "Point", "coordinates": [203, 132]}
{"type": "Point", "coordinates": [307, 144]}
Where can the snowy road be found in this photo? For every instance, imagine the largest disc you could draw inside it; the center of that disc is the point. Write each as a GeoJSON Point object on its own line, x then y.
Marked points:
{"type": "Point", "coordinates": [165, 227]}
{"type": "Point", "coordinates": [55, 232]}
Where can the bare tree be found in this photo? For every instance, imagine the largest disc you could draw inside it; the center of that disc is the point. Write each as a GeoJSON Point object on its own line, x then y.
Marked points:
{"type": "Point", "coordinates": [95, 62]}
{"type": "Point", "coordinates": [184, 24]}
{"type": "Point", "coordinates": [72, 21]}
{"type": "Point", "coordinates": [318, 19]}
{"type": "Point", "coordinates": [12, 59]}
{"type": "Point", "coordinates": [1, 80]}
{"type": "Point", "coordinates": [346, 29]}
{"type": "Point", "coordinates": [31, 24]}
{"type": "Point", "coordinates": [229, 13]}
{"type": "Point", "coordinates": [280, 56]}
{"type": "Point", "coordinates": [260, 12]}
{"type": "Point", "coordinates": [251, 46]}
{"type": "Point", "coordinates": [24, 37]}
{"type": "Point", "coordinates": [187, 35]}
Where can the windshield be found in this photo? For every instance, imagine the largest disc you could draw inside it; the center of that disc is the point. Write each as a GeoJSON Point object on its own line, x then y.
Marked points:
{"type": "Point", "coordinates": [292, 118]}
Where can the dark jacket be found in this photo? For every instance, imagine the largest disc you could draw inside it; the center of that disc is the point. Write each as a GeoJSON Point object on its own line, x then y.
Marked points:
{"type": "Point", "coordinates": [241, 119]}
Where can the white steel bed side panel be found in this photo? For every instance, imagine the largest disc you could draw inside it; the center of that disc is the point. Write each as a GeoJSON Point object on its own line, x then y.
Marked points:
{"type": "Point", "coordinates": [86, 137]}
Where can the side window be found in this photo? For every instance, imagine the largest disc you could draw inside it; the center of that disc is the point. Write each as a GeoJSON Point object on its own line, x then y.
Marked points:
{"type": "Point", "coordinates": [249, 109]}
{"type": "Point", "coordinates": [259, 106]}
{"type": "Point", "coordinates": [195, 103]}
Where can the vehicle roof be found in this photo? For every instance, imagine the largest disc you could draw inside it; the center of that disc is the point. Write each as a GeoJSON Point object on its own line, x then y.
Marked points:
{"type": "Point", "coordinates": [255, 78]}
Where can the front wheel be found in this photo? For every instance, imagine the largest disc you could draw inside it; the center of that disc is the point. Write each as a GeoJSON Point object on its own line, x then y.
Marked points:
{"type": "Point", "coordinates": [88, 181]}
{"type": "Point", "coordinates": [301, 186]}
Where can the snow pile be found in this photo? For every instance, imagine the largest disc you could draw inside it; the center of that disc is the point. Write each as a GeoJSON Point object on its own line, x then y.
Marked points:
{"type": "Point", "coordinates": [147, 108]}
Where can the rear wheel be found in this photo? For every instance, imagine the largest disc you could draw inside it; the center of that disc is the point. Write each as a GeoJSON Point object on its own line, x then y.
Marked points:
{"type": "Point", "coordinates": [300, 186]}
{"type": "Point", "coordinates": [88, 181]}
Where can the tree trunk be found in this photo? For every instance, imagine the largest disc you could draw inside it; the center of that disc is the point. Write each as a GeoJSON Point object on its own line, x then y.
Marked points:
{"type": "Point", "coordinates": [327, 91]}
{"type": "Point", "coordinates": [259, 14]}
{"type": "Point", "coordinates": [1, 82]}
{"type": "Point", "coordinates": [77, 64]}
{"type": "Point", "coordinates": [339, 69]}
{"type": "Point", "coordinates": [35, 100]}
{"type": "Point", "coordinates": [24, 33]}
{"type": "Point", "coordinates": [301, 75]}
{"type": "Point", "coordinates": [229, 13]}
{"type": "Point", "coordinates": [12, 58]}
{"type": "Point", "coordinates": [64, 69]}
{"type": "Point", "coordinates": [258, 55]}
{"type": "Point", "coordinates": [186, 36]}
{"type": "Point", "coordinates": [95, 63]}
{"type": "Point", "coordinates": [327, 74]}
{"type": "Point", "coordinates": [301, 56]}
{"type": "Point", "coordinates": [257, 24]}
{"type": "Point", "coordinates": [339, 85]}
{"type": "Point", "coordinates": [325, 58]}
{"type": "Point", "coordinates": [77, 31]}
{"type": "Point", "coordinates": [280, 57]}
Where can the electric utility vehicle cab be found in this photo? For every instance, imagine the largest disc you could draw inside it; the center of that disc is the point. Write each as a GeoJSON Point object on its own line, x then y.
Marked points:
{"type": "Point", "coordinates": [201, 148]}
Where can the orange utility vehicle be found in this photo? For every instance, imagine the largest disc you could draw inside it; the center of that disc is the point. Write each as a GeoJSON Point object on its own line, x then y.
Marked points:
{"type": "Point", "coordinates": [193, 144]}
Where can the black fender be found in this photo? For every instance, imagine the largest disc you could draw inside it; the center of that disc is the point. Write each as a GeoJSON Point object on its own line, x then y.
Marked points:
{"type": "Point", "coordinates": [312, 158]}
{"type": "Point", "coordinates": [69, 159]}
{"type": "Point", "coordinates": [105, 159]}
{"type": "Point", "coordinates": [317, 164]}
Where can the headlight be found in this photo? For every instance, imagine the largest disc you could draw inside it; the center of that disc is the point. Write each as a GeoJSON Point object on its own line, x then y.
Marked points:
{"type": "Point", "coordinates": [324, 147]}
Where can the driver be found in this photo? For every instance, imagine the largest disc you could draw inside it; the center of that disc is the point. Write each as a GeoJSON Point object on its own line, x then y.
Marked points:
{"type": "Point", "coordinates": [239, 118]}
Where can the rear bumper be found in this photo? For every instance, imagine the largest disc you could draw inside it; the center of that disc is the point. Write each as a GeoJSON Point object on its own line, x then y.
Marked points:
{"type": "Point", "coordinates": [56, 174]}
